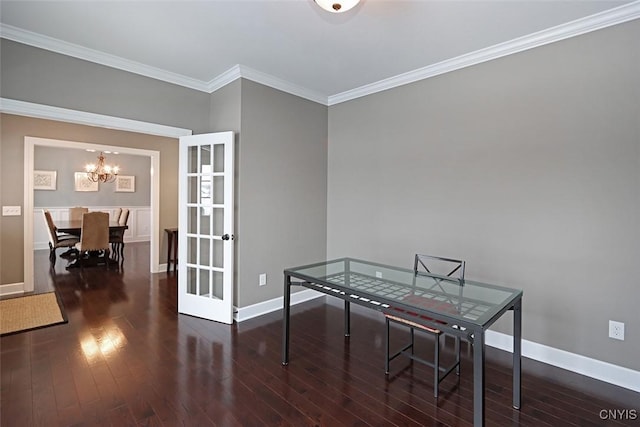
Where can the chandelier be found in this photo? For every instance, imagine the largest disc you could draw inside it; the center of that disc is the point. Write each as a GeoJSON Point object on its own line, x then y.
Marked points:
{"type": "Point", "coordinates": [337, 6]}
{"type": "Point", "coordinates": [101, 172]}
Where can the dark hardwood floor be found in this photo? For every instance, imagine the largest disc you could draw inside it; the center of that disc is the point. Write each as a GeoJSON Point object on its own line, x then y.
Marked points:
{"type": "Point", "coordinates": [127, 358]}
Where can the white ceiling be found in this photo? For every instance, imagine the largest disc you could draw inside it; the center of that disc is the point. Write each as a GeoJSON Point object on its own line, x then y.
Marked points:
{"type": "Point", "coordinates": [292, 43]}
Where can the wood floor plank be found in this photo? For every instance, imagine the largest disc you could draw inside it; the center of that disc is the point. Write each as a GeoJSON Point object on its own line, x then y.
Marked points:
{"type": "Point", "coordinates": [127, 358]}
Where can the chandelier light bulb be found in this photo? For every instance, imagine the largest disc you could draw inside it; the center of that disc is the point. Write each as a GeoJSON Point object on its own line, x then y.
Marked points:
{"type": "Point", "coordinates": [337, 6]}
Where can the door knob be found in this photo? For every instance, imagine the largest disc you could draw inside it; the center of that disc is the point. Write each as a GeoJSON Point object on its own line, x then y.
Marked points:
{"type": "Point", "coordinates": [227, 237]}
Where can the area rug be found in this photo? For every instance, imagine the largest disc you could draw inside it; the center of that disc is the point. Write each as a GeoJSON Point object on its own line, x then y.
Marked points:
{"type": "Point", "coordinates": [30, 312]}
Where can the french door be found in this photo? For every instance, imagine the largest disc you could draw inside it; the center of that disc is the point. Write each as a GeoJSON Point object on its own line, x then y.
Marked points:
{"type": "Point", "coordinates": [205, 218]}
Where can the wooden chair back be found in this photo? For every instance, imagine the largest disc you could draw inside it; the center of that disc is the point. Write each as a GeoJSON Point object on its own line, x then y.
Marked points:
{"type": "Point", "coordinates": [51, 228]}
{"type": "Point", "coordinates": [94, 235]}
{"type": "Point", "coordinates": [124, 217]}
{"type": "Point", "coordinates": [76, 213]}
{"type": "Point", "coordinates": [116, 214]}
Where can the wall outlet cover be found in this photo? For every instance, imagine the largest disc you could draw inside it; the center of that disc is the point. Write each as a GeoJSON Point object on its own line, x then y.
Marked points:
{"type": "Point", "coordinates": [616, 330]}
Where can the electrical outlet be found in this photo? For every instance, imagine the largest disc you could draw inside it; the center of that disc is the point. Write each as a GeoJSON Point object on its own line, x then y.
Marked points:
{"type": "Point", "coordinates": [379, 274]}
{"type": "Point", "coordinates": [262, 280]}
{"type": "Point", "coordinates": [616, 330]}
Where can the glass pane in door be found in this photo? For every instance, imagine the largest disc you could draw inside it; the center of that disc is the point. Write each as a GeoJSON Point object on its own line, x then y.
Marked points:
{"type": "Point", "coordinates": [205, 285]}
{"type": "Point", "coordinates": [217, 218]}
{"type": "Point", "coordinates": [217, 285]}
{"type": "Point", "coordinates": [218, 190]}
{"type": "Point", "coordinates": [192, 220]}
{"type": "Point", "coordinates": [205, 252]}
{"type": "Point", "coordinates": [192, 189]}
{"type": "Point", "coordinates": [218, 254]}
{"type": "Point", "coordinates": [205, 221]}
{"type": "Point", "coordinates": [192, 283]}
{"type": "Point", "coordinates": [192, 250]}
{"type": "Point", "coordinates": [218, 158]}
{"type": "Point", "coordinates": [192, 159]}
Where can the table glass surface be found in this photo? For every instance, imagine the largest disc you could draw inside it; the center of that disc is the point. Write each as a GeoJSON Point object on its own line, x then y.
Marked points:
{"type": "Point", "coordinates": [389, 286]}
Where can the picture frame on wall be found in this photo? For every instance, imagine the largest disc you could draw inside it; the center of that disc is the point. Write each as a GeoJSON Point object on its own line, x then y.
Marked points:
{"type": "Point", "coordinates": [125, 184]}
{"type": "Point", "coordinates": [83, 183]}
{"type": "Point", "coordinates": [44, 180]}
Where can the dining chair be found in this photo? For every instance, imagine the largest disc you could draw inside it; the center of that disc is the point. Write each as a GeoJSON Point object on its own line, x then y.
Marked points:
{"type": "Point", "coordinates": [57, 240]}
{"type": "Point", "coordinates": [116, 215]}
{"type": "Point", "coordinates": [116, 237]}
{"type": "Point", "coordinates": [94, 236]}
{"type": "Point", "coordinates": [75, 213]}
{"type": "Point", "coordinates": [427, 264]}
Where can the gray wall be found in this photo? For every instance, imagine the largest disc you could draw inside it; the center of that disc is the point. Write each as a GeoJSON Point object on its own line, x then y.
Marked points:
{"type": "Point", "coordinates": [280, 183]}
{"type": "Point", "coordinates": [225, 116]}
{"type": "Point", "coordinates": [527, 167]}
{"type": "Point", "coordinates": [43, 77]}
{"type": "Point", "coordinates": [67, 161]}
{"type": "Point", "coordinates": [282, 188]}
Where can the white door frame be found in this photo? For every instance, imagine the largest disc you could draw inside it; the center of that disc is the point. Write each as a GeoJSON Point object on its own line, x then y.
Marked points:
{"type": "Point", "coordinates": [29, 146]}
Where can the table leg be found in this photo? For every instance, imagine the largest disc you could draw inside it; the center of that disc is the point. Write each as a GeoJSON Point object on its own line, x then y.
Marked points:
{"type": "Point", "coordinates": [347, 304]}
{"type": "Point", "coordinates": [169, 245]}
{"type": "Point", "coordinates": [286, 311]}
{"type": "Point", "coordinates": [517, 352]}
{"type": "Point", "coordinates": [347, 318]}
{"type": "Point", "coordinates": [175, 252]}
{"type": "Point", "coordinates": [478, 377]}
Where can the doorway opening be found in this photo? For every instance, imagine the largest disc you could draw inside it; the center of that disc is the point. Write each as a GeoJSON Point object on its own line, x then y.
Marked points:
{"type": "Point", "coordinates": [29, 152]}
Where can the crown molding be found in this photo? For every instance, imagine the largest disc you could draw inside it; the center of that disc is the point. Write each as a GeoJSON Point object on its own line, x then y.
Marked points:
{"type": "Point", "coordinates": [575, 28]}
{"type": "Point", "coordinates": [224, 79]}
{"type": "Point", "coordinates": [30, 38]}
{"type": "Point", "coordinates": [614, 16]}
{"type": "Point", "coordinates": [238, 71]}
{"type": "Point", "coordinates": [283, 85]}
{"type": "Point", "coordinates": [40, 111]}
{"type": "Point", "coordinates": [55, 45]}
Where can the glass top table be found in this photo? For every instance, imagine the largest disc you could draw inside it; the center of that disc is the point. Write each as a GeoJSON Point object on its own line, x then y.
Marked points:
{"type": "Point", "coordinates": [458, 307]}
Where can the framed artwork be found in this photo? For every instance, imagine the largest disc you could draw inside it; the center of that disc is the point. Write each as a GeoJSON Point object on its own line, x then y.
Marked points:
{"type": "Point", "coordinates": [125, 183]}
{"type": "Point", "coordinates": [83, 183]}
{"type": "Point", "coordinates": [44, 180]}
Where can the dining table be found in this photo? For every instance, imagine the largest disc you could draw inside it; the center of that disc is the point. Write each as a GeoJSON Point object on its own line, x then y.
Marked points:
{"type": "Point", "coordinates": [74, 227]}
{"type": "Point", "coordinates": [459, 307]}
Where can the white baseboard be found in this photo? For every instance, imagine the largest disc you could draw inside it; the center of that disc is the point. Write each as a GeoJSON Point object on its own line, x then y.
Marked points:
{"type": "Point", "coordinates": [255, 310]}
{"type": "Point", "coordinates": [11, 289]}
{"type": "Point", "coordinates": [159, 268]}
{"type": "Point", "coordinates": [593, 368]}
{"type": "Point", "coordinates": [603, 371]}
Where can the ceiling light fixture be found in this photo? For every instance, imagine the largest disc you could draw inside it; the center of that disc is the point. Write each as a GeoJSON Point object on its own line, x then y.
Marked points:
{"type": "Point", "coordinates": [337, 6]}
{"type": "Point", "coordinates": [101, 172]}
